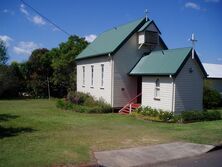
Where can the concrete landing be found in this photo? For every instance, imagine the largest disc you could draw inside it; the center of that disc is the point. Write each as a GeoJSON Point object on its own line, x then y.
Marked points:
{"type": "Point", "coordinates": [143, 156]}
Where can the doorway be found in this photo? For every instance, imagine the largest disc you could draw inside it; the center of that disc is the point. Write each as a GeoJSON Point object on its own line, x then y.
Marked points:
{"type": "Point", "coordinates": [139, 88]}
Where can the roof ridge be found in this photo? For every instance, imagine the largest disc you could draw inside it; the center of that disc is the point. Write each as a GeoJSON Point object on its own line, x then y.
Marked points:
{"type": "Point", "coordinates": [118, 36]}
{"type": "Point", "coordinates": [122, 24]}
{"type": "Point", "coordinates": [170, 49]}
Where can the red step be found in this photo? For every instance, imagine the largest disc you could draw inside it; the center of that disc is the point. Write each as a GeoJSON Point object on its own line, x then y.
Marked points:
{"type": "Point", "coordinates": [126, 109]}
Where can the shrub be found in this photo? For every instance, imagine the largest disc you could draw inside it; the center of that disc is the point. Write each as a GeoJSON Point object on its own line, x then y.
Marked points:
{"type": "Point", "coordinates": [77, 97]}
{"type": "Point", "coordinates": [193, 116]}
{"type": "Point", "coordinates": [165, 116]}
{"type": "Point", "coordinates": [60, 103]}
{"type": "Point", "coordinates": [81, 102]}
{"type": "Point", "coordinates": [212, 115]}
{"type": "Point", "coordinates": [148, 111]}
{"type": "Point", "coordinates": [64, 104]}
{"type": "Point", "coordinates": [211, 98]}
{"type": "Point", "coordinates": [154, 114]}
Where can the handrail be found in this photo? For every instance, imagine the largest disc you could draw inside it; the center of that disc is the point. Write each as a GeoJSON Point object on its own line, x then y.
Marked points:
{"type": "Point", "coordinates": [131, 101]}
{"type": "Point", "coordinates": [135, 98]}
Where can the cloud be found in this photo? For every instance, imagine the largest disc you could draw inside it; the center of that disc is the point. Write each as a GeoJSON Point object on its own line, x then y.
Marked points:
{"type": "Point", "coordinates": [8, 11]}
{"type": "Point", "coordinates": [25, 48]}
{"type": "Point", "coordinates": [90, 38]}
{"type": "Point", "coordinates": [192, 5]}
{"type": "Point", "coordinates": [55, 29]}
{"type": "Point", "coordinates": [23, 10]}
{"type": "Point", "coordinates": [213, 1]}
{"type": "Point", "coordinates": [36, 19]}
{"type": "Point", "coordinates": [6, 39]}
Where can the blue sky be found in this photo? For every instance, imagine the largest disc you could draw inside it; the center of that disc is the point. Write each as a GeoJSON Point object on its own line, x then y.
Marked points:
{"type": "Point", "coordinates": [23, 30]}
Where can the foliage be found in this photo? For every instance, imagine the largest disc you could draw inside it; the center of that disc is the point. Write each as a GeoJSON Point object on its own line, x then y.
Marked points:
{"type": "Point", "coordinates": [155, 114]}
{"type": "Point", "coordinates": [81, 102]}
{"type": "Point", "coordinates": [10, 81]}
{"type": "Point", "coordinates": [3, 53]}
{"type": "Point", "coordinates": [193, 116]}
{"type": "Point", "coordinates": [54, 69]}
{"type": "Point", "coordinates": [62, 104]}
{"type": "Point", "coordinates": [80, 98]}
{"type": "Point", "coordinates": [38, 72]}
{"type": "Point", "coordinates": [64, 64]}
{"type": "Point", "coordinates": [148, 113]}
{"type": "Point", "coordinates": [166, 116]}
{"type": "Point", "coordinates": [211, 98]}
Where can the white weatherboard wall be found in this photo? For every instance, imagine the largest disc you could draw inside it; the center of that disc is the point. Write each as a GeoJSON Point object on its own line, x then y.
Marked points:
{"type": "Point", "coordinates": [125, 86]}
{"type": "Point", "coordinates": [189, 88]}
{"type": "Point", "coordinates": [166, 93]}
{"type": "Point", "coordinates": [96, 91]}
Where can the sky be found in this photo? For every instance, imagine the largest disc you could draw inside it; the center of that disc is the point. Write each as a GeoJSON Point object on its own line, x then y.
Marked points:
{"type": "Point", "coordinates": [23, 30]}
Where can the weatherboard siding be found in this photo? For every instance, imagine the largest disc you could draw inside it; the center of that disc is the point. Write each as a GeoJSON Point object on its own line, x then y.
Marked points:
{"type": "Point", "coordinates": [125, 86]}
{"type": "Point", "coordinates": [152, 27]}
{"type": "Point", "coordinates": [189, 88]}
{"type": "Point", "coordinates": [148, 93]}
{"type": "Point", "coordinates": [96, 90]}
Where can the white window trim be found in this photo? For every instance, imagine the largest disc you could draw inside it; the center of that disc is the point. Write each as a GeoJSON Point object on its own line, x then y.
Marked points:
{"type": "Point", "coordinates": [102, 76]}
{"type": "Point", "coordinates": [83, 76]}
{"type": "Point", "coordinates": [157, 89]}
{"type": "Point", "coordinates": [92, 76]}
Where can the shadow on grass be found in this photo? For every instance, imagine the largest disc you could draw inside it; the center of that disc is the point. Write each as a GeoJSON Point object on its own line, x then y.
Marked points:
{"type": "Point", "coordinates": [12, 131]}
{"type": "Point", "coordinates": [7, 117]}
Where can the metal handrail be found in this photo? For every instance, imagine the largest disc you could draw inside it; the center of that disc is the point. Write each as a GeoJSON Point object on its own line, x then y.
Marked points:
{"type": "Point", "coordinates": [129, 103]}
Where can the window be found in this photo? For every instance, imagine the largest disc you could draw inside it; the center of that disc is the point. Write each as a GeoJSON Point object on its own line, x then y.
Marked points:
{"type": "Point", "coordinates": [83, 75]}
{"type": "Point", "coordinates": [157, 89]}
{"type": "Point", "coordinates": [92, 73]}
{"type": "Point", "coordinates": [102, 75]}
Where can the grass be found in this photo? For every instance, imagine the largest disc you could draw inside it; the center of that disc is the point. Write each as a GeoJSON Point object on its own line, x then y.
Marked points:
{"type": "Point", "coordinates": [36, 133]}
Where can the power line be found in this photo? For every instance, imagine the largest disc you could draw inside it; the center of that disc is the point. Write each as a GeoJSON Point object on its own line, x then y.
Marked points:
{"type": "Point", "coordinates": [47, 19]}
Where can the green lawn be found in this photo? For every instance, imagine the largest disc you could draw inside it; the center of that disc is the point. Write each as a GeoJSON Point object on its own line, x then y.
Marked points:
{"type": "Point", "coordinates": [36, 133]}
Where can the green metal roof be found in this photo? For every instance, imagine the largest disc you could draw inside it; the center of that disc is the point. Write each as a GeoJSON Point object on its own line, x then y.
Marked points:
{"type": "Point", "coordinates": [145, 26]}
{"type": "Point", "coordinates": [110, 40]}
{"type": "Point", "coordinates": [163, 62]}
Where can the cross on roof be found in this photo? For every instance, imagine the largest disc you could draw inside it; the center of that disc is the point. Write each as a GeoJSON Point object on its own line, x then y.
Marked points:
{"type": "Point", "coordinates": [146, 14]}
{"type": "Point", "coordinates": [193, 40]}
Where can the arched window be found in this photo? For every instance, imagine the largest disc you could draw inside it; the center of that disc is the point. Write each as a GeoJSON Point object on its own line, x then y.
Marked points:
{"type": "Point", "coordinates": [157, 89]}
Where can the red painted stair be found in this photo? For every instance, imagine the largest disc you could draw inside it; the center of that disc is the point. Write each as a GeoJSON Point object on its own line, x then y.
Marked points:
{"type": "Point", "coordinates": [130, 106]}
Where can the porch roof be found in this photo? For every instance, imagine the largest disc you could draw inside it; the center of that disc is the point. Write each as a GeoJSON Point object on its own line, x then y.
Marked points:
{"type": "Point", "coordinates": [164, 62]}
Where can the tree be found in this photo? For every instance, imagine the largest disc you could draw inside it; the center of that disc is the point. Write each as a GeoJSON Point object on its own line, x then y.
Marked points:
{"type": "Point", "coordinates": [38, 73]}
{"type": "Point", "coordinates": [10, 81]}
{"type": "Point", "coordinates": [45, 71]}
{"type": "Point", "coordinates": [3, 53]}
{"type": "Point", "coordinates": [64, 65]}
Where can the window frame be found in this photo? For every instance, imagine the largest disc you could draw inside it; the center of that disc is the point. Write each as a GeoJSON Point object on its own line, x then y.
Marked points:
{"type": "Point", "coordinates": [83, 76]}
{"type": "Point", "coordinates": [92, 76]}
{"type": "Point", "coordinates": [157, 89]}
{"type": "Point", "coordinates": [102, 76]}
